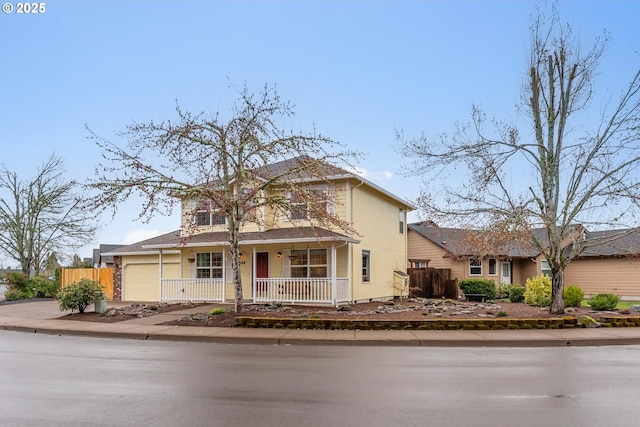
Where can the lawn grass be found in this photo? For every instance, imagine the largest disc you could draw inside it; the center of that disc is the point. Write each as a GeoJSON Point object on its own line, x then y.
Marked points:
{"type": "Point", "coordinates": [622, 305]}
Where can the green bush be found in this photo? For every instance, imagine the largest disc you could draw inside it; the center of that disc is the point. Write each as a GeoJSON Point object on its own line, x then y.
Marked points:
{"type": "Point", "coordinates": [36, 287]}
{"type": "Point", "coordinates": [217, 311]}
{"type": "Point", "coordinates": [43, 287]}
{"type": "Point", "coordinates": [478, 286]}
{"type": "Point", "coordinates": [538, 291]}
{"type": "Point", "coordinates": [79, 295]}
{"type": "Point", "coordinates": [502, 291]}
{"type": "Point", "coordinates": [19, 282]}
{"type": "Point", "coordinates": [602, 302]}
{"type": "Point", "coordinates": [15, 294]}
{"type": "Point", "coordinates": [516, 293]}
{"type": "Point", "coordinates": [573, 296]}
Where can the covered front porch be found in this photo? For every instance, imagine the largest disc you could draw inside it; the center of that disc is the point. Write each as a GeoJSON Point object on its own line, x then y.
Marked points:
{"type": "Point", "coordinates": [292, 266]}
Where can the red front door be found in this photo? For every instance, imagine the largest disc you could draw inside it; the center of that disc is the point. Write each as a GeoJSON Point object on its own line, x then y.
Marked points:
{"type": "Point", "coordinates": [262, 269]}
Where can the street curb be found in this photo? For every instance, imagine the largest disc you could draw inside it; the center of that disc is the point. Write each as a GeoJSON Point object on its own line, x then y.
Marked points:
{"type": "Point", "coordinates": [354, 342]}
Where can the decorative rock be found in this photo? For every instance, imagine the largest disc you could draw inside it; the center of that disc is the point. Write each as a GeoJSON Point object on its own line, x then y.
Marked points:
{"type": "Point", "coordinates": [344, 308]}
{"type": "Point", "coordinates": [634, 308]}
{"type": "Point", "coordinates": [587, 321]}
{"type": "Point", "coordinates": [199, 317]}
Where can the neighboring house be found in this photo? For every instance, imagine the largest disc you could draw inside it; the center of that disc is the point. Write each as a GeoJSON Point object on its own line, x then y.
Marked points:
{"type": "Point", "coordinates": [287, 260]}
{"type": "Point", "coordinates": [100, 260]}
{"type": "Point", "coordinates": [613, 267]}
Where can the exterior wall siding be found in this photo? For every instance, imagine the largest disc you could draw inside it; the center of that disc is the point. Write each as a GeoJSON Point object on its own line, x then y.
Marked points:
{"type": "Point", "coordinates": [619, 276]}
{"type": "Point", "coordinates": [376, 221]}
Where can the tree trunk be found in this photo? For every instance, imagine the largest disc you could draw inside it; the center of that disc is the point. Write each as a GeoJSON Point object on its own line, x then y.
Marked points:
{"type": "Point", "coordinates": [235, 265]}
{"type": "Point", "coordinates": [557, 291]}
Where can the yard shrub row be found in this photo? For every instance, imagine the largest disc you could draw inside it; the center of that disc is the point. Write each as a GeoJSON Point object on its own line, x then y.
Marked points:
{"type": "Point", "coordinates": [22, 286]}
{"type": "Point", "coordinates": [478, 286]}
{"type": "Point", "coordinates": [604, 302]}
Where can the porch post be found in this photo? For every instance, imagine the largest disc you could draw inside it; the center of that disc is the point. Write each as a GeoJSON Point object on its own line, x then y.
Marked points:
{"type": "Point", "coordinates": [254, 289]}
{"type": "Point", "coordinates": [224, 274]}
{"type": "Point", "coordinates": [160, 275]}
{"type": "Point", "coordinates": [334, 269]}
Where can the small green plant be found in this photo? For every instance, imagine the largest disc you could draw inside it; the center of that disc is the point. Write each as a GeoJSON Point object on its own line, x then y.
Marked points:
{"type": "Point", "coordinates": [43, 287]}
{"type": "Point", "coordinates": [79, 295]}
{"type": "Point", "coordinates": [502, 291]}
{"type": "Point", "coordinates": [217, 311]}
{"type": "Point", "coordinates": [15, 295]}
{"type": "Point", "coordinates": [573, 296]}
{"type": "Point", "coordinates": [538, 291]}
{"type": "Point", "coordinates": [478, 287]}
{"type": "Point", "coordinates": [19, 282]}
{"type": "Point", "coordinates": [501, 314]}
{"type": "Point", "coordinates": [516, 293]}
{"type": "Point", "coordinates": [602, 302]}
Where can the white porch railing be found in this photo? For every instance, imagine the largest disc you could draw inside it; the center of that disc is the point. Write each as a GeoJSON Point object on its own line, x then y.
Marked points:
{"type": "Point", "coordinates": [192, 290]}
{"type": "Point", "coordinates": [300, 290]}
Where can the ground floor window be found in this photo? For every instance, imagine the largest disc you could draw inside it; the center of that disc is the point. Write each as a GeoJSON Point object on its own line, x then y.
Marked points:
{"type": "Point", "coordinates": [366, 266]}
{"type": "Point", "coordinates": [545, 270]}
{"type": "Point", "coordinates": [309, 263]}
{"type": "Point", "coordinates": [209, 265]}
{"type": "Point", "coordinates": [493, 267]}
{"type": "Point", "coordinates": [475, 267]}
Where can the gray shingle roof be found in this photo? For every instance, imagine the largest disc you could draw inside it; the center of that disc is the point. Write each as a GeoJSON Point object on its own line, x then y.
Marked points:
{"type": "Point", "coordinates": [459, 242]}
{"type": "Point", "coordinates": [221, 238]}
{"type": "Point", "coordinates": [597, 243]}
{"type": "Point", "coordinates": [624, 242]}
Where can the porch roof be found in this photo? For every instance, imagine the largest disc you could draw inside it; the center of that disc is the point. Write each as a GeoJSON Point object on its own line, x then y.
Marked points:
{"type": "Point", "coordinates": [174, 240]}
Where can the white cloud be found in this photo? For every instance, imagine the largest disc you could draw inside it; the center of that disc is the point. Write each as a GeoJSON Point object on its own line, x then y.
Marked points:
{"type": "Point", "coordinates": [139, 235]}
{"type": "Point", "coordinates": [376, 176]}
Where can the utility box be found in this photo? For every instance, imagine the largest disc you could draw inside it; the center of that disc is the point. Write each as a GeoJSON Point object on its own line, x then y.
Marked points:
{"type": "Point", "coordinates": [100, 303]}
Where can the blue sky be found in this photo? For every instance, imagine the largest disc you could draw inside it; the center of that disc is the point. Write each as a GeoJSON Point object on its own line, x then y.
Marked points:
{"type": "Point", "coordinates": [357, 70]}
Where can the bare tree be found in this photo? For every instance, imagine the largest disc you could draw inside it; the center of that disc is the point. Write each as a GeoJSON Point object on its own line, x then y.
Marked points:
{"type": "Point", "coordinates": [42, 216]}
{"type": "Point", "coordinates": [575, 175]}
{"type": "Point", "coordinates": [223, 164]}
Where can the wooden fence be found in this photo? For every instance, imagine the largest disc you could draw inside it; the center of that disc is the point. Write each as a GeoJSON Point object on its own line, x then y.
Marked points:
{"type": "Point", "coordinates": [104, 276]}
{"type": "Point", "coordinates": [432, 283]}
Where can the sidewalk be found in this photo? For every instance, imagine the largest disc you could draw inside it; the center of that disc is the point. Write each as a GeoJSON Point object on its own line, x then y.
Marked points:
{"type": "Point", "coordinates": [42, 317]}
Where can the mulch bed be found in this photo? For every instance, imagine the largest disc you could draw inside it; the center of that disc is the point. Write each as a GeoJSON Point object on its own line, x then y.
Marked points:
{"type": "Point", "coordinates": [92, 316]}
{"type": "Point", "coordinates": [398, 310]}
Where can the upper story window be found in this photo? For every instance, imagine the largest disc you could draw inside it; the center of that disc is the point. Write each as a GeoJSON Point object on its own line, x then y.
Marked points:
{"type": "Point", "coordinates": [318, 199]}
{"type": "Point", "coordinates": [475, 267]}
{"type": "Point", "coordinates": [401, 220]}
{"type": "Point", "coordinates": [206, 216]}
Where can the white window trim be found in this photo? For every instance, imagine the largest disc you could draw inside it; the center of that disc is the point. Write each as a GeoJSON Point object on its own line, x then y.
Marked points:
{"type": "Point", "coordinates": [543, 269]}
{"type": "Point", "coordinates": [366, 277]}
{"type": "Point", "coordinates": [211, 268]}
{"type": "Point", "coordinates": [495, 272]}
{"type": "Point", "coordinates": [475, 266]}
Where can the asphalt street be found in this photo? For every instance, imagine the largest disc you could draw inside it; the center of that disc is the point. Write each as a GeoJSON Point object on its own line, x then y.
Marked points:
{"type": "Point", "coordinates": [50, 380]}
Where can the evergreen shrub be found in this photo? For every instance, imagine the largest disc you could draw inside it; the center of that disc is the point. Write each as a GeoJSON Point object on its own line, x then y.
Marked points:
{"type": "Point", "coordinates": [538, 291]}
{"type": "Point", "coordinates": [478, 286]}
{"type": "Point", "coordinates": [79, 295]}
{"type": "Point", "coordinates": [516, 293]}
{"type": "Point", "coordinates": [603, 302]}
{"type": "Point", "coordinates": [573, 296]}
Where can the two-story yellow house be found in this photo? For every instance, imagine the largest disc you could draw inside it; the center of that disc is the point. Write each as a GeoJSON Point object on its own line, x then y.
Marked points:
{"type": "Point", "coordinates": [286, 259]}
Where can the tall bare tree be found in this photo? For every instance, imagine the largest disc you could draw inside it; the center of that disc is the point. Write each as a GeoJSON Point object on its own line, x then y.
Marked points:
{"type": "Point", "coordinates": [222, 163]}
{"type": "Point", "coordinates": [42, 216]}
{"type": "Point", "coordinates": [576, 172]}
